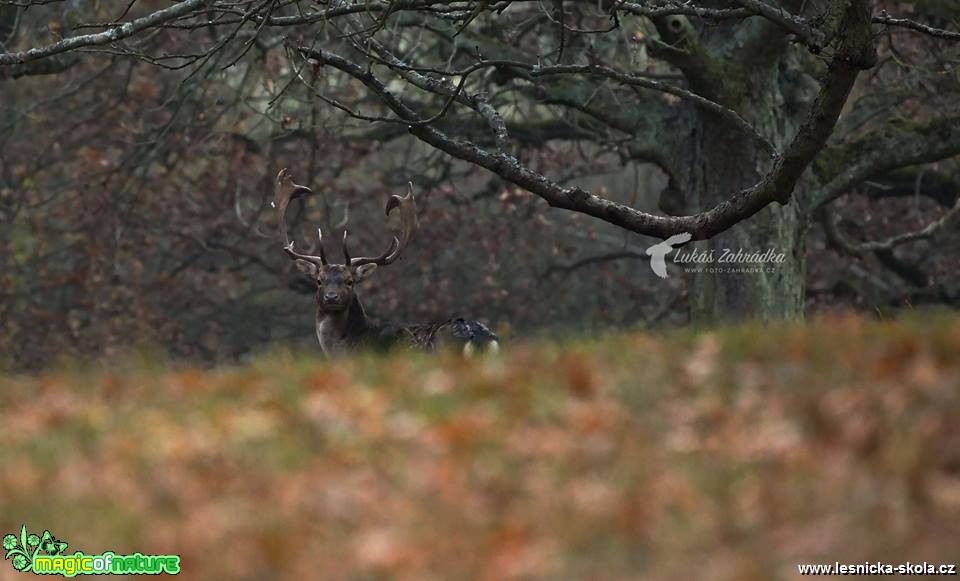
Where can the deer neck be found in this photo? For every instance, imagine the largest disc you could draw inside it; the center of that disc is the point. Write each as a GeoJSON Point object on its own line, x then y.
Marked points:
{"type": "Point", "coordinates": [341, 329]}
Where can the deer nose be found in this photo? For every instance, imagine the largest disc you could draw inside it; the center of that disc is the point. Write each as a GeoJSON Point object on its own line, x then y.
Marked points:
{"type": "Point", "coordinates": [330, 297]}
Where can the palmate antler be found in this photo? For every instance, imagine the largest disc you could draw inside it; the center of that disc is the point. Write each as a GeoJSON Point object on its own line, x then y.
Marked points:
{"type": "Point", "coordinates": [286, 190]}
{"type": "Point", "coordinates": [408, 225]}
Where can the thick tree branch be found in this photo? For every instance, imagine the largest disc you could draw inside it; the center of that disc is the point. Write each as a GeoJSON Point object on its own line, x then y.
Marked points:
{"type": "Point", "coordinates": [685, 9]}
{"type": "Point", "coordinates": [50, 66]}
{"type": "Point", "coordinates": [649, 9]}
{"type": "Point", "coordinates": [892, 147]}
{"type": "Point", "coordinates": [373, 6]}
{"type": "Point", "coordinates": [106, 37]}
{"type": "Point", "coordinates": [855, 52]}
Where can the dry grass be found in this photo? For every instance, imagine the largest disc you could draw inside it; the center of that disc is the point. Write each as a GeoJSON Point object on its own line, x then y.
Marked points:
{"type": "Point", "coordinates": [734, 454]}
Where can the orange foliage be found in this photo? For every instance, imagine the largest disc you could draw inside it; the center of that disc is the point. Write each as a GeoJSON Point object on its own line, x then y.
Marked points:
{"type": "Point", "coordinates": [730, 455]}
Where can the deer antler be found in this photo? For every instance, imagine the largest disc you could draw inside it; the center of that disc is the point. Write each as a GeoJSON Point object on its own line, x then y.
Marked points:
{"type": "Point", "coordinates": [408, 225]}
{"type": "Point", "coordinates": [284, 192]}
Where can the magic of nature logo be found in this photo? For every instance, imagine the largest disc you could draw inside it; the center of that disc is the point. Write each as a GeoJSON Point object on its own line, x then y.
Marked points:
{"type": "Point", "coordinates": [44, 555]}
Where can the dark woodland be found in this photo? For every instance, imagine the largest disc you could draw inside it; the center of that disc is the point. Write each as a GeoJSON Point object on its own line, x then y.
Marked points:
{"type": "Point", "coordinates": [550, 145]}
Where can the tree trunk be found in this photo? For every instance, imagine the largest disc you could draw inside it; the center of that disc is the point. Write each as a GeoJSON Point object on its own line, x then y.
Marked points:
{"type": "Point", "coordinates": [774, 99]}
{"type": "Point", "coordinates": [769, 291]}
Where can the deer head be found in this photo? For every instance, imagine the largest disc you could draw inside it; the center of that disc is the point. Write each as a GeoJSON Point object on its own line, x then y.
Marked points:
{"type": "Point", "coordinates": [335, 282]}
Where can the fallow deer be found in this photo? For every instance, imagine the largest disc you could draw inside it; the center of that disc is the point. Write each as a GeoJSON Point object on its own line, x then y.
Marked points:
{"type": "Point", "coordinates": [342, 323]}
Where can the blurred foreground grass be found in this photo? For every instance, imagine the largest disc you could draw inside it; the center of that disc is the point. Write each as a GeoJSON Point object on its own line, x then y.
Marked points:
{"type": "Point", "coordinates": [733, 454]}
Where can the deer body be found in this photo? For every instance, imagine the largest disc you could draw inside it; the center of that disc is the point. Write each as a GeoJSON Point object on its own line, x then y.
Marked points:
{"type": "Point", "coordinates": [342, 323]}
{"type": "Point", "coordinates": [351, 328]}
{"type": "Point", "coordinates": [341, 330]}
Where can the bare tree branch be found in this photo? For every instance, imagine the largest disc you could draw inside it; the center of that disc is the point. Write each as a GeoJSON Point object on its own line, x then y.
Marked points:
{"type": "Point", "coordinates": [106, 37]}
{"type": "Point", "coordinates": [808, 35]}
{"type": "Point", "coordinates": [883, 18]}
{"type": "Point", "coordinates": [855, 52]}
{"type": "Point", "coordinates": [894, 241]}
{"type": "Point", "coordinates": [881, 151]}
{"type": "Point", "coordinates": [596, 259]}
{"type": "Point", "coordinates": [444, 87]}
{"type": "Point", "coordinates": [684, 9]}
{"type": "Point", "coordinates": [646, 83]}
{"type": "Point", "coordinates": [476, 102]}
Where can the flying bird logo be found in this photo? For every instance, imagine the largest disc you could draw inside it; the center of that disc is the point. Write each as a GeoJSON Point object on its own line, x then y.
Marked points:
{"type": "Point", "coordinates": [659, 251]}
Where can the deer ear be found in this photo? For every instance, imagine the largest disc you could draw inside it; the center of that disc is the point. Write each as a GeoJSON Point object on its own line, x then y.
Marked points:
{"type": "Point", "coordinates": [308, 268]}
{"type": "Point", "coordinates": [365, 270]}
